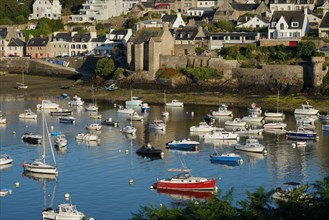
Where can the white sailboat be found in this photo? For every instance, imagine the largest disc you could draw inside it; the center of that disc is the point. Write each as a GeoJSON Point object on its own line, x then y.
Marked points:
{"type": "Point", "coordinates": [40, 165]}
{"type": "Point", "coordinates": [165, 113]}
{"type": "Point", "coordinates": [21, 85]}
{"type": "Point", "coordinates": [93, 107]}
{"type": "Point", "coordinates": [276, 114]}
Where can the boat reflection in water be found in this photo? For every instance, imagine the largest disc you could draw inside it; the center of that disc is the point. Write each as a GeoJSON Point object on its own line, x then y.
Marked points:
{"type": "Point", "coordinates": [39, 176]}
{"type": "Point", "coordinates": [186, 195]}
{"type": "Point", "coordinates": [227, 163]}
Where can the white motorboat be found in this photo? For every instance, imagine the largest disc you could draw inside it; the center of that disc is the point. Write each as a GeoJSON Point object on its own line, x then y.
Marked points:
{"type": "Point", "coordinates": [129, 130]}
{"type": "Point", "coordinates": [222, 111]}
{"type": "Point", "coordinates": [87, 137]}
{"type": "Point", "coordinates": [94, 126]}
{"type": "Point", "coordinates": [40, 165]}
{"type": "Point", "coordinates": [251, 145]}
{"type": "Point", "coordinates": [32, 138]}
{"type": "Point", "coordinates": [145, 107]}
{"type": "Point", "coordinates": [175, 103]}
{"type": "Point", "coordinates": [306, 109]}
{"type": "Point", "coordinates": [47, 104]}
{"type": "Point", "coordinates": [202, 127]}
{"type": "Point", "coordinates": [324, 117]}
{"type": "Point", "coordinates": [76, 101]}
{"type": "Point", "coordinates": [60, 141]}
{"type": "Point", "coordinates": [4, 192]}
{"type": "Point", "coordinates": [158, 125]}
{"type": "Point", "coordinates": [241, 131]}
{"type": "Point", "coordinates": [5, 159]}
{"type": "Point", "coordinates": [65, 211]}
{"type": "Point", "coordinates": [28, 114]}
{"type": "Point", "coordinates": [221, 135]}
{"type": "Point", "coordinates": [134, 101]}
{"type": "Point", "coordinates": [275, 125]}
{"type": "Point", "coordinates": [3, 120]}
{"type": "Point", "coordinates": [136, 117]}
{"type": "Point", "coordinates": [253, 117]}
{"type": "Point", "coordinates": [61, 112]}
{"type": "Point", "coordinates": [306, 120]}
{"type": "Point", "coordinates": [67, 119]}
{"type": "Point", "coordinates": [122, 110]}
{"type": "Point", "coordinates": [236, 123]}
{"type": "Point", "coordinates": [91, 108]}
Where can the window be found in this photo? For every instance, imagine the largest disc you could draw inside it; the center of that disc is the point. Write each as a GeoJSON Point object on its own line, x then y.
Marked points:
{"type": "Point", "coordinates": [294, 24]}
{"type": "Point", "coordinates": [281, 26]}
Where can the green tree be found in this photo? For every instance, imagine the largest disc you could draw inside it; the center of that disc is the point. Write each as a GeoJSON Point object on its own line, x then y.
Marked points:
{"type": "Point", "coordinates": [306, 49]}
{"type": "Point", "coordinates": [225, 26]}
{"type": "Point", "coordinates": [105, 67]}
{"type": "Point", "coordinates": [129, 23]}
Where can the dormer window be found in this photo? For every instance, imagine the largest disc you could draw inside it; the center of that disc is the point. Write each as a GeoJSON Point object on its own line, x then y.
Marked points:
{"type": "Point", "coordinates": [294, 24]}
{"type": "Point", "coordinates": [273, 24]}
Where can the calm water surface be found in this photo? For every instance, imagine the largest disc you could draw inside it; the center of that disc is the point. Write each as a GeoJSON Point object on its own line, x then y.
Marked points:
{"type": "Point", "coordinates": [97, 176]}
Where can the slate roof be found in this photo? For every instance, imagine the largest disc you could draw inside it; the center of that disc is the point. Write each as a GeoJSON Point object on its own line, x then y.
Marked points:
{"type": "Point", "coordinates": [222, 34]}
{"type": "Point", "coordinates": [99, 39]}
{"type": "Point", "coordinates": [119, 32]}
{"type": "Point", "coordinates": [16, 42]}
{"type": "Point", "coordinates": [325, 21]}
{"type": "Point", "coordinates": [81, 38]}
{"type": "Point", "coordinates": [63, 36]}
{"type": "Point", "coordinates": [244, 7]}
{"type": "Point", "coordinates": [37, 42]}
{"type": "Point", "coordinates": [169, 18]}
{"type": "Point", "coordinates": [148, 4]}
{"type": "Point", "coordinates": [289, 16]}
{"type": "Point", "coordinates": [146, 34]}
{"type": "Point", "coordinates": [186, 34]}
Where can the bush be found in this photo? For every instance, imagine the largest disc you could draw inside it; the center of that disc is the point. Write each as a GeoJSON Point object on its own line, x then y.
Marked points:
{"type": "Point", "coordinates": [167, 73]}
{"type": "Point", "coordinates": [201, 73]}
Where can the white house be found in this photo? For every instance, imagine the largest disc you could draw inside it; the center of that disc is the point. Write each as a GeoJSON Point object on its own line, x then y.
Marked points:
{"type": "Point", "coordinates": [100, 46]}
{"type": "Point", "coordinates": [288, 25]}
{"type": "Point", "coordinates": [252, 22]}
{"type": "Point", "coordinates": [220, 40]}
{"type": "Point", "coordinates": [291, 5]}
{"type": "Point", "coordinates": [119, 36]}
{"type": "Point", "coordinates": [94, 10]}
{"type": "Point", "coordinates": [174, 21]}
{"type": "Point", "coordinates": [46, 9]}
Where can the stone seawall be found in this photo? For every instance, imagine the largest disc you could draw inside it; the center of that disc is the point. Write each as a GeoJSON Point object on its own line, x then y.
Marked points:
{"type": "Point", "coordinates": [35, 67]}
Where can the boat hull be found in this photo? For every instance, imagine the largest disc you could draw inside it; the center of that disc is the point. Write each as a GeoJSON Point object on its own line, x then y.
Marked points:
{"type": "Point", "coordinates": [301, 136]}
{"type": "Point", "coordinates": [306, 112]}
{"type": "Point", "coordinates": [255, 149]}
{"type": "Point", "coordinates": [225, 158]}
{"type": "Point", "coordinates": [183, 147]}
{"type": "Point", "coordinates": [202, 186]}
{"type": "Point", "coordinates": [40, 169]}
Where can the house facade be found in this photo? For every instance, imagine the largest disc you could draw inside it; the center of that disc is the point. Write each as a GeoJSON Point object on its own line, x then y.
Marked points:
{"type": "Point", "coordinates": [220, 40]}
{"type": "Point", "coordinates": [288, 25]}
{"type": "Point", "coordinates": [291, 5]}
{"type": "Point", "coordinates": [95, 10]}
{"type": "Point", "coordinates": [252, 22]}
{"type": "Point", "coordinates": [188, 39]}
{"type": "Point", "coordinates": [174, 21]}
{"type": "Point", "coordinates": [324, 26]}
{"type": "Point", "coordinates": [46, 9]}
{"type": "Point", "coordinates": [146, 47]}
{"type": "Point", "coordinates": [38, 48]}
{"type": "Point", "coordinates": [16, 48]}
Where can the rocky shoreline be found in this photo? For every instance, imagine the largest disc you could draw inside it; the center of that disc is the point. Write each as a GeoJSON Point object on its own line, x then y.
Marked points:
{"type": "Point", "coordinates": [45, 86]}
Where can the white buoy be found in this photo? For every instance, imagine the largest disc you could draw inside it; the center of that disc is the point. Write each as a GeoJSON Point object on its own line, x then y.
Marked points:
{"type": "Point", "coordinates": [131, 181]}
{"type": "Point", "coordinates": [52, 127]}
{"type": "Point", "coordinates": [14, 132]}
{"type": "Point", "coordinates": [115, 105]}
{"type": "Point", "coordinates": [10, 191]}
{"type": "Point", "coordinates": [293, 145]}
{"type": "Point", "coordinates": [126, 151]}
{"type": "Point", "coordinates": [192, 113]}
{"type": "Point", "coordinates": [67, 196]}
{"type": "Point", "coordinates": [17, 184]}
{"type": "Point", "coordinates": [91, 218]}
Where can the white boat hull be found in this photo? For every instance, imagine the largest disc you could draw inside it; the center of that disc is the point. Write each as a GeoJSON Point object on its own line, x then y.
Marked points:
{"type": "Point", "coordinates": [274, 114]}
{"type": "Point", "coordinates": [306, 111]}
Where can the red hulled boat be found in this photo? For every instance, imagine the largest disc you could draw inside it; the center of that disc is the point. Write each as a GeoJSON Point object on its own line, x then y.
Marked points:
{"type": "Point", "coordinates": [185, 181]}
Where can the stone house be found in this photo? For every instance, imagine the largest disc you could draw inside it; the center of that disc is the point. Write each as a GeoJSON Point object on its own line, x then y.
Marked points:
{"type": "Point", "coordinates": [288, 25]}
{"type": "Point", "coordinates": [188, 39]}
{"type": "Point", "coordinates": [16, 47]}
{"type": "Point", "coordinates": [60, 44]}
{"type": "Point", "coordinates": [148, 7]}
{"type": "Point", "coordinates": [46, 9]}
{"type": "Point", "coordinates": [180, 6]}
{"type": "Point", "coordinates": [80, 44]}
{"type": "Point", "coordinates": [38, 47]}
{"type": "Point", "coordinates": [231, 11]}
{"type": "Point", "coordinates": [3, 41]}
{"type": "Point", "coordinates": [146, 47]}
{"type": "Point", "coordinates": [147, 24]}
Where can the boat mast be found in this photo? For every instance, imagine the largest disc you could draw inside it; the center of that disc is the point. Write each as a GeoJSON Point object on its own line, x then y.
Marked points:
{"type": "Point", "coordinates": [43, 138]}
{"type": "Point", "coordinates": [51, 146]}
{"type": "Point", "coordinates": [277, 103]}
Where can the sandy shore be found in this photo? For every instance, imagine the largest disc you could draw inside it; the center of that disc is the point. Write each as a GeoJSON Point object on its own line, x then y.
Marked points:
{"type": "Point", "coordinates": [42, 87]}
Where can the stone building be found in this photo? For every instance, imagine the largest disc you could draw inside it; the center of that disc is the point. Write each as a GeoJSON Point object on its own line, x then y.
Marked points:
{"type": "Point", "coordinates": [46, 9]}
{"type": "Point", "coordinates": [38, 47]}
{"type": "Point", "coordinates": [146, 47]}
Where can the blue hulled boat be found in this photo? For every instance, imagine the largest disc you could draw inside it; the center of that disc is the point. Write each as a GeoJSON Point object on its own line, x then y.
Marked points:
{"type": "Point", "coordinates": [302, 134]}
{"type": "Point", "coordinates": [225, 157]}
{"type": "Point", "coordinates": [184, 145]}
